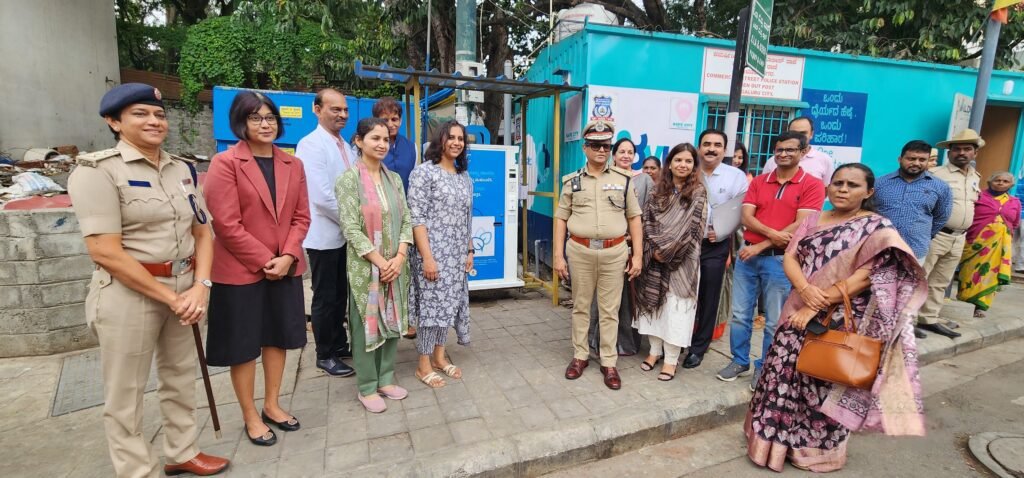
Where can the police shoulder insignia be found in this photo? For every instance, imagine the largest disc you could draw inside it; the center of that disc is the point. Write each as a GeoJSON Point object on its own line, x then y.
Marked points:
{"type": "Point", "coordinates": [180, 158]}
{"type": "Point", "coordinates": [620, 171]}
{"type": "Point", "coordinates": [91, 159]}
{"type": "Point", "coordinates": [568, 177]}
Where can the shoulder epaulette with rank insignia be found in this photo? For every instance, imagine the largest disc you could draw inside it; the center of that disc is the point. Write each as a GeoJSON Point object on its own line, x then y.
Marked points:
{"type": "Point", "coordinates": [621, 171]}
{"type": "Point", "coordinates": [569, 176]}
{"type": "Point", "coordinates": [180, 158]}
{"type": "Point", "coordinates": [91, 159]}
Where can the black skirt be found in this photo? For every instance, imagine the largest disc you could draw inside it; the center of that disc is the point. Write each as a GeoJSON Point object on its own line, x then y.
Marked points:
{"type": "Point", "coordinates": [244, 318]}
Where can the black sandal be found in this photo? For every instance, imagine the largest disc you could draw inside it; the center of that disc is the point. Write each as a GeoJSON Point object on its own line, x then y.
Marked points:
{"type": "Point", "coordinates": [647, 366]}
{"type": "Point", "coordinates": [665, 374]}
{"type": "Point", "coordinates": [261, 440]}
{"type": "Point", "coordinates": [289, 425]}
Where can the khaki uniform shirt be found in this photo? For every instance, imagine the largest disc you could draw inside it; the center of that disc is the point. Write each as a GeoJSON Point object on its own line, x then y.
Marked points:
{"type": "Point", "coordinates": [965, 188]}
{"type": "Point", "coordinates": [596, 207]}
{"type": "Point", "coordinates": [119, 191]}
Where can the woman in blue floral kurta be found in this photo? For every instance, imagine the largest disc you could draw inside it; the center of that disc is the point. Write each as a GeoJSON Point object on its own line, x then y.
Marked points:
{"type": "Point", "coordinates": [441, 202]}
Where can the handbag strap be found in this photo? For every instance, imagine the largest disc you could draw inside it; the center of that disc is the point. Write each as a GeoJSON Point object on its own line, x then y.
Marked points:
{"type": "Point", "coordinates": [847, 309]}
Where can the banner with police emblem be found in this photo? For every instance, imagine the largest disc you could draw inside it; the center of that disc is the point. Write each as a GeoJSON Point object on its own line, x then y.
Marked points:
{"type": "Point", "coordinates": [655, 120]}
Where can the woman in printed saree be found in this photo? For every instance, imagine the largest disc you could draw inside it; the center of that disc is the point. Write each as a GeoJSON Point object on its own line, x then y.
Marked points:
{"type": "Point", "coordinates": [806, 420]}
{"type": "Point", "coordinates": [375, 219]}
{"type": "Point", "coordinates": [666, 291]}
{"type": "Point", "coordinates": [985, 265]}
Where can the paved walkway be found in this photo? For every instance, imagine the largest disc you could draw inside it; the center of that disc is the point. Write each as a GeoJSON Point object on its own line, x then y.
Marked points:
{"type": "Point", "coordinates": [513, 413]}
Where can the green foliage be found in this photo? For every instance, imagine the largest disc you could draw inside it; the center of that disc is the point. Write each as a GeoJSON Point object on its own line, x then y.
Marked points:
{"type": "Point", "coordinates": [942, 31]}
{"type": "Point", "coordinates": [146, 47]}
{"type": "Point", "coordinates": [280, 44]}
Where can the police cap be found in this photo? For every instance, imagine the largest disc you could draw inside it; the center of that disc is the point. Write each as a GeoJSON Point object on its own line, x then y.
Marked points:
{"type": "Point", "coordinates": [599, 130]}
{"type": "Point", "coordinates": [126, 94]}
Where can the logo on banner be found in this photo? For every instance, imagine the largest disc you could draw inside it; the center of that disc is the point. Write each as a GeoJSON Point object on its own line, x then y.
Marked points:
{"type": "Point", "coordinates": [602, 109]}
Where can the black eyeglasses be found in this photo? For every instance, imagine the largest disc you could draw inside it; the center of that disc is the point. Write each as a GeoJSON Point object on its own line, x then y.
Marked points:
{"type": "Point", "coordinates": [257, 119]}
{"type": "Point", "coordinates": [781, 151]}
{"type": "Point", "coordinates": [599, 146]}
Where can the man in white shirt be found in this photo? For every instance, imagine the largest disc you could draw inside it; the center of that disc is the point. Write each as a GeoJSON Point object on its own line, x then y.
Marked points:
{"type": "Point", "coordinates": [724, 183]}
{"type": "Point", "coordinates": [325, 156]}
{"type": "Point", "coordinates": [814, 162]}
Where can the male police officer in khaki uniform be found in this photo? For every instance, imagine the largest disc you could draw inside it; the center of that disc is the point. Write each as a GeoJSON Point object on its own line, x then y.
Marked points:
{"type": "Point", "coordinates": [146, 227]}
{"type": "Point", "coordinates": [597, 205]}
{"type": "Point", "coordinates": [947, 246]}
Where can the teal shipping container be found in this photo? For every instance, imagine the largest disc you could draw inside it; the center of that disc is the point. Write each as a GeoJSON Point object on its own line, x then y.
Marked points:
{"type": "Point", "coordinates": [662, 89]}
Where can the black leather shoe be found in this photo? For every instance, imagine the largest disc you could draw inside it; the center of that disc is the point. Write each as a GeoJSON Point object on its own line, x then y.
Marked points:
{"type": "Point", "coordinates": [335, 367]}
{"type": "Point", "coordinates": [920, 333]}
{"type": "Point", "coordinates": [692, 361]}
{"type": "Point", "coordinates": [289, 425]}
{"type": "Point", "coordinates": [268, 439]}
{"type": "Point", "coordinates": [940, 329]}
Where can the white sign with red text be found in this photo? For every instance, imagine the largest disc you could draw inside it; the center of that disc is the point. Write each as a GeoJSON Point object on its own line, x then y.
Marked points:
{"type": "Point", "coordinates": [783, 78]}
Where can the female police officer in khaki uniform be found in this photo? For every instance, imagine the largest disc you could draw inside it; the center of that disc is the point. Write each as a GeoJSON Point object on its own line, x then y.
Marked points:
{"type": "Point", "coordinates": [146, 229]}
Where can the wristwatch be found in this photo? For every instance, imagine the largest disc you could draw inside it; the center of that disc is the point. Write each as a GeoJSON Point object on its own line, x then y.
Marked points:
{"type": "Point", "coordinates": [206, 282]}
{"type": "Point", "coordinates": [472, 251]}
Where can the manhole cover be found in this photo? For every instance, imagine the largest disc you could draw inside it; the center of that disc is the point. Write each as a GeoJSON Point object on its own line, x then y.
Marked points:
{"type": "Point", "coordinates": [81, 382]}
{"type": "Point", "coordinates": [1009, 452]}
{"type": "Point", "coordinates": [1002, 453]}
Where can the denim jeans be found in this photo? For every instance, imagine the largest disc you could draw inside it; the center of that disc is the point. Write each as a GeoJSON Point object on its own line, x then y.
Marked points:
{"type": "Point", "coordinates": [759, 274]}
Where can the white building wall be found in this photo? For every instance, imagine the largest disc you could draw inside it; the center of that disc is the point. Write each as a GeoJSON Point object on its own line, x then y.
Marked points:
{"type": "Point", "coordinates": [57, 59]}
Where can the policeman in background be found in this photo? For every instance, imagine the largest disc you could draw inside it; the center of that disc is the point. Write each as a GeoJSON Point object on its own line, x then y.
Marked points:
{"type": "Point", "coordinates": [596, 206]}
{"type": "Point", "coordinates": [146, 228]}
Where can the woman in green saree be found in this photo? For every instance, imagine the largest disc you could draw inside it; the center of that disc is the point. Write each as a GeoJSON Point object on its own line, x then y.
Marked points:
{"type": "Point", "coordinates": [375, 219]}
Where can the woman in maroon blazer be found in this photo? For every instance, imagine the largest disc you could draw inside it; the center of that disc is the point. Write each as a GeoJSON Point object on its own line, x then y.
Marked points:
{"type": "Point", "coordinates": [257, 196]}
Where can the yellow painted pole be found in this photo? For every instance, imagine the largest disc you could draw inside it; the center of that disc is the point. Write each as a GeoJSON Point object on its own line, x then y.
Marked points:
{"type": "Point", "coordinates": [556, 175]}
{"type": "Point", "coordinates": [415, 85]}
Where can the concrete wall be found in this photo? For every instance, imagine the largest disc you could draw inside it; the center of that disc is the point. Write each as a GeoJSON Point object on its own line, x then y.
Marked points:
{"type": "Point", "coordinates": [57, 59]}
{"type": "Point", "coordinates": [188, 134]}
{"type": "Point", "coordinates": [44, 274]}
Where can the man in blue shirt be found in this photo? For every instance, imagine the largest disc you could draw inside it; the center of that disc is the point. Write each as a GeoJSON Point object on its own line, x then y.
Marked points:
{"type": "Point", "coordinates": [916, 202]}
{"type": "Point", "coordinates": [401, 156]}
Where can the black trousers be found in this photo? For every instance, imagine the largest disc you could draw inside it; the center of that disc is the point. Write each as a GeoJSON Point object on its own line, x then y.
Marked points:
{"type": "Point", "coordinates": [709, 291]}
{"type": "Point", "coordinates": [330, 301]}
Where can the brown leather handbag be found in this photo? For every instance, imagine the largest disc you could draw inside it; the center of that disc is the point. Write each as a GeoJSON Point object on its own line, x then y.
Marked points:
{"type": "Point", "coordinates": [842, 357]}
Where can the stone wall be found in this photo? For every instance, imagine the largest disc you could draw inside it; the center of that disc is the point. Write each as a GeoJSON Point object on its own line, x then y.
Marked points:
{"type": "Point", "coordinates": [44, 274]}
{"type": "Point", "coordinates": [188, 134]}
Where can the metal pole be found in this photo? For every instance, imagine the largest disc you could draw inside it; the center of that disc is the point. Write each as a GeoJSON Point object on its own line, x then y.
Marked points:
{"type": "Point", "coordinates": [426, 91]}
{"type": "Point", "coordinates": [739, 66]}
{"type": "Point", "coordinates": [556, 147]}
{"type": "Point", "coordinates": [988, 58]}
{"type": "Point", "coordinates": [551, 23]}
{"type": "Point", "coordinates": [507, 126]}
{"type": "Point", "coordinates": [465, 49]}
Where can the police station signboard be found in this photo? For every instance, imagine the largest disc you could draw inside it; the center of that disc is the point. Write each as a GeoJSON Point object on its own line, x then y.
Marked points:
{"type": "Point", "coordinates": [783, 77]}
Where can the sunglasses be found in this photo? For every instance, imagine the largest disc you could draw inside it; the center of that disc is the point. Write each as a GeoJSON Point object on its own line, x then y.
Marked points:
{"type": "Point", "coordinates": [599, 146]}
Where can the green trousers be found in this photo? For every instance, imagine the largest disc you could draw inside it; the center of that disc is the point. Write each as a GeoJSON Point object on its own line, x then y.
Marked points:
{"type": "Point", "coordinates": [373, 369]}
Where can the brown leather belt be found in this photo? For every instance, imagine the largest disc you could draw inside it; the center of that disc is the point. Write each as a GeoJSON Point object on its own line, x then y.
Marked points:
{"type": "Point", "coordinates": [598, 243]}
{"type": "Point", "coordinates": [170, 268]}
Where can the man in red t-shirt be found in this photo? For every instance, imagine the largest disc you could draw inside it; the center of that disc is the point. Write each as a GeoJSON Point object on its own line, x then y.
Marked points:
{"type": "Point", "coordinates": [775, 204]}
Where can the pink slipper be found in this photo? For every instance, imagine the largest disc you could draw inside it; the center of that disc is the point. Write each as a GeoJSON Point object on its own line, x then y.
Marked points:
{"type": "Point", "coordinates": [394, 392]}
{"type": "Point", "coordinates": [373, 403]}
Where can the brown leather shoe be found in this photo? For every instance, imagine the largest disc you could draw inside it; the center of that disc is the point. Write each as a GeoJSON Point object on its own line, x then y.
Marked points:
{"type": "Point", "coordinates": [611, 378]}
{"type": "Point", "coordinates": [575, 368]}
{"type": "Point", "coordinates": [202, 465]}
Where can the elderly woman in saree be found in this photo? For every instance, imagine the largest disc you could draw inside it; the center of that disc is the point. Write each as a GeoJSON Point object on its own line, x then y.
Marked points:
{"type": "Point", "coordinates": [806, 420]}
{"type": "Point", "coordinates": [985, 264]}
{"type": "Point", "coordinates": [674, 223]}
